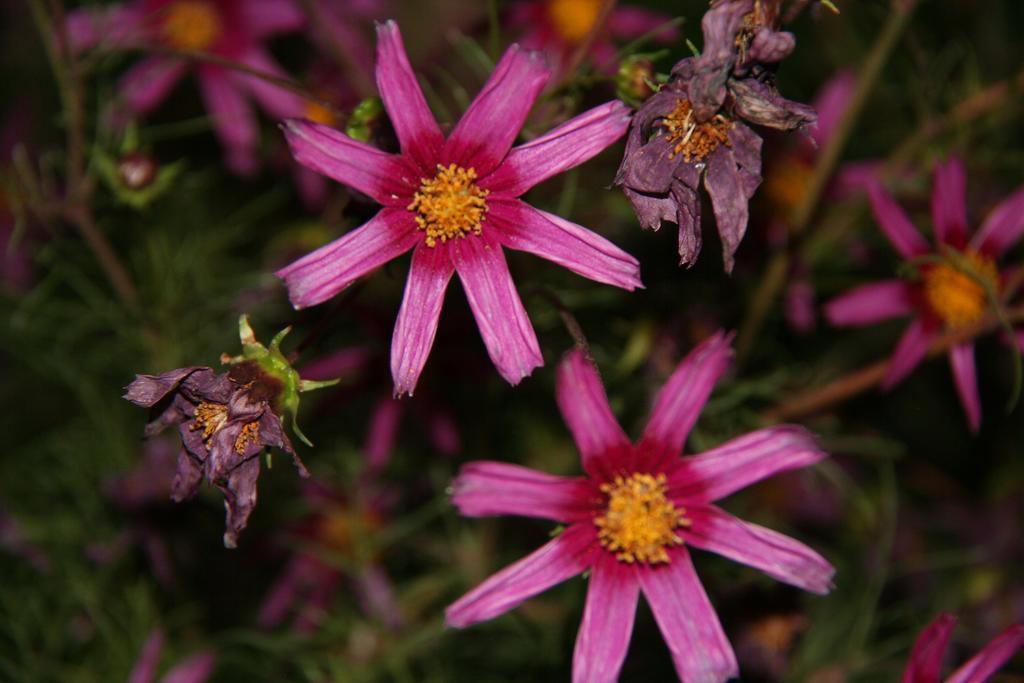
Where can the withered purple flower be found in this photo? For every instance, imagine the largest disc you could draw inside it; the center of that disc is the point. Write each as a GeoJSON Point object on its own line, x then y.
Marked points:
{"type": "Point", "coordinates": [226, 420]}
{"type": "Point", "coordinates": [694, 129]}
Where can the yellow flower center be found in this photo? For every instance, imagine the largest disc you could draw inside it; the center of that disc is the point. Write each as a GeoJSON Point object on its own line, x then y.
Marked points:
{"type": "Point", "coordinates": [640, 522]}
{"type": "Point", "coordinates": [318, 113]}
{"type": "Point", "coordinates": [191, 25]}
{"type": "Point", "coordinates": [957, 292]}
{"type": "Point", "coordinates": [210, 417]}
{"type": "Point", "coordinates": [450, 204]}
{"type": "Point", "coordinates": [694, 140]}
{"type": "Point", "coordinates": [786, 186]}
{"type": "Point", "coordinates": [573, 19]}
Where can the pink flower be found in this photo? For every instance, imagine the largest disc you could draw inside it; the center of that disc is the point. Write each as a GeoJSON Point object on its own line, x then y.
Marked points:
{"type": "Point", "coordinates": [231, 29]}
{"type": "Point", "coordinates": [954, 276]}
{"type": "Point", "coordinates": [196, 669]}
{"type": "Point", "coordinates": [557, 27]}
{"type": "Point", "coordinates": [454, 204]}
{"type": "Point", "coordinates": [630, 519]}
{"type": "Point", "coordinates": [925, 665]}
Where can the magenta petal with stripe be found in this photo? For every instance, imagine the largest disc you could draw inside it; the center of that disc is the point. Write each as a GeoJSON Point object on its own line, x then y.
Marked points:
{"type": "Point", "coordinates": [902, 234]}
{"type": "Point", "coordinates": [965, 376]}
{"type": "Point", "coordinates": [682, 399]}
{"type": "Point", "coordinates": [319, 275]}
{"type": "Point", "coordinates": [584, 405]}
{"type": "Point", "coordinates": [607, 625]}
{"type": "Point", "coordinates": [778, 556]}
{"type": "Point", "coordinates": [982, 666]}
{"type": "Point", "coordinates": [1003, 227]}
{"type": "Point", "coordinates": [486, 488]}
{"type": "Point", "coordinates": [418, 132]}
{"type": "Point", "coordinates": [419, 315]}
{"type": "Point", "coordinates": [518, 225]}
{"type": "Point", "coordinates": [925, 665]}
{"type": "Point", "coordinates": [871, 303]}
{"type": "Point", "coordinates": [949, 203]}
{"type": "Point", "coordinates": [910, 351]}
{"type": "Point", "coordinates": [743, 461]}
{"type": "Point", "coordinates": [485, 133]}
{"type": "Point", "coordinates": [688, 622]}
{"type": "Point", "coordinates": [567, 146]}
{"type": "Point", "coordinates": [504, 326]}
{"type": "Point", "coordinates": [564, 557]}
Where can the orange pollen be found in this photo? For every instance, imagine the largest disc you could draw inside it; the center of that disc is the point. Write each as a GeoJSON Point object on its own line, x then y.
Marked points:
{"type": "Point", "coordinates": [695, 140]}
{"type": "Point", "coordinates": [210, 417]}
{"type": "Point", "coordinates": [450, 204]}
{"type": "Point", "coordinates": [249, 435]}
{"type": "Point", "coordinates": [319, 113]}
{"type": "Point", "coordinates": [958, 291]}
{"type": "Point", "coordinates": [191, 25]}
{"type": "Point", "coordinates": [640, 522]}
{"type": "Point", "coordinates": [573, 20]}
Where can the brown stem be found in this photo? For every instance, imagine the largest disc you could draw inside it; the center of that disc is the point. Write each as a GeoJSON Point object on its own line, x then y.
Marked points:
{"type": "Point", "coordinates": [773, 279]}
{"type": "Point", "coordinates": [859, 381]}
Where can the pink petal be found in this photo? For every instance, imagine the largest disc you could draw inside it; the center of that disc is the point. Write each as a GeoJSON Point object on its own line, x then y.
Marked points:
{"type": "Point", "coordinates": [195, 669]}
{"type": "Point", "coordinates": [776, 555]}
{"type": "Point", "coordinates": [949, 203]}
{"type": "Point", "coordinates": [584, 405]}
{"type": "Point", "coordinates": [904, 237]}
{"type": "Point", "coordinates": [982, 666]}
{"type": "Point", "coordinates": [149, 81]}
{"type": "Point", "coordinates": [119, 26]}
{"type": "Point", "coordinates": [490, 125]}
{"type": "Point", "coordinates": [232, 119]}
{"type": "Point", "coordinates": [830, 104]}
{"type": "Point", "coordinates": [486, 488]}
{"type": "Point", "coordinates": [278, 102]}
{"type": "Point", "coordinates": [627, 22]}
{"type": "Point", "coordinates": [418, 132]}
{"type": "Point", "coordinates": [741, 462]}
{"type": "Point", "coordinates": [910, 350]}
{"type": "Point", "coordinates": [562, 558]}
{"type": "Point", "coordinates": [869, 304]}
{"type": "Point", "coordinates": [961, 362]}
{"type": "Point", "coordinates": [504, 326]}
{"type": "Point", "coordinates": [680, 401]}
{"type": "Point", "coordinates": [518, 225]}
{"type": "Point", "coordinates": [416, 326]}
{"type": "Point", "coordinates": [264, 18]}
{"type": "Point", "coordinates": [567, 146]}
{"type": "Point", "coordinates": [321, 274]}
{"type": "Point", "coordinates": [382, 433]}
{"type": "Point", "coordinates": [144, 670]}
{"type": "Point", "coordinates": [688, 622]}
{"type": "Point", "coordinates": [1003, 226]}
{"type": "Point", "coordinates": [608, 615]}
{"type": "Point", "coordinates": [925, 664]}
{"type": "Point", "coordinates": [385, 177]}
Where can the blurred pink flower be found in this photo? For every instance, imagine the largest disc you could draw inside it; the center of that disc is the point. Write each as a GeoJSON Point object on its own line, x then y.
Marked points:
{"type": "Point", "coordinates": [630, 519]}
{"type": "Point", "coordinates": [229, 29]}
{"type": "Point", "coordinates": [954, 277]}
{"type": "Point", "coordinates": [195, 669]}
{"type": "Point", "coordinates": [557, 27]}
{"type": "Point", "coordinates": [455, 204]}
{"type": "Point", "coordinates": [342, 527]}
{"type": "Point", "coordinates": [925, 665]}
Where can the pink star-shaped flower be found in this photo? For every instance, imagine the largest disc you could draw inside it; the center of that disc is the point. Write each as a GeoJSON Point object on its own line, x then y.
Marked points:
{"type": "Point", "coordinates": [454, 203]}
{"type": "Point", "coordinates": [630, 520]}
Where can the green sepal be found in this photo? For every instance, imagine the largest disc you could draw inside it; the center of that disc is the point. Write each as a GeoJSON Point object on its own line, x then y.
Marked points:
{"type": "Point", "coordinates": [364, 116]}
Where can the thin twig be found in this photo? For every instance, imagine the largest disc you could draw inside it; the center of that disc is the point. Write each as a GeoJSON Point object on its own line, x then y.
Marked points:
{"type": "Point", "coordinates": [774, 277]}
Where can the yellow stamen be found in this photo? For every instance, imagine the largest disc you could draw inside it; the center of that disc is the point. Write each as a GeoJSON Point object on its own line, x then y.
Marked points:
{"type": "Point", "coordinates": [318, 113]}
{"type": "Point", "coordinates": [191, 24]}
{"type": "Point", "coordinates": [695, 140]}
{"type": "Point", "coordinates": [573, 19]}
{"type": "Point", "coordinates": [210, 417]}
{"type": "Point", "coordinates": [249, 435]}
{"type": "Point", "coordinates": [640, 522]}
{"type": "Point", "coordinates": [956, 293]}
{"type": "Point", "coordinates": [450, 204]}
